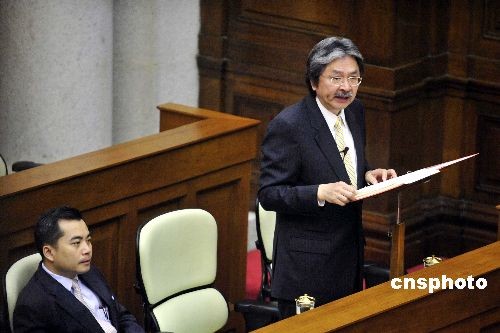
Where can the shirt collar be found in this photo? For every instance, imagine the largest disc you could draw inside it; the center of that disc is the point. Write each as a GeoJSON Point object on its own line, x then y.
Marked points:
{"type": "Point", "coordinates": [66, 282]}
{"type": "Point", "coordinates": [330, 117]}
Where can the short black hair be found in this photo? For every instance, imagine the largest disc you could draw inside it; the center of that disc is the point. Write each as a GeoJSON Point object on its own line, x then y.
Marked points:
{"type": "Point", "coordinates": [47, 229]}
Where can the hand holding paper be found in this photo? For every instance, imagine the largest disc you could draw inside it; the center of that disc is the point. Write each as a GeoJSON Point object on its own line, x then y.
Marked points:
{"type": "Point", "coordinates": [379, 175]}
{"type": "Point", "coordinates": [406, 179]}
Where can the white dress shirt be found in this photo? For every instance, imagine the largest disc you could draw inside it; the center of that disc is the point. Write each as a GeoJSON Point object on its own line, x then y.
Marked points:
{"type": "Point", "coordinates": [331, 119]}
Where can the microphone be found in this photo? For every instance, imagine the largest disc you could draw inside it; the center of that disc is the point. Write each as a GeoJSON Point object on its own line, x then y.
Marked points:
{"type": "Point", "coordinates": [344, 152]}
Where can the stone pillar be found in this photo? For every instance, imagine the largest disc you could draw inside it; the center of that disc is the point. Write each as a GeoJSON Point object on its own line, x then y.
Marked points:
{"type": "Point", "coordinates": [134, 70]}
{"type": "Point", "coordinates": [155, 48]}
{"type": "Point", "coordinates": [55, 78]}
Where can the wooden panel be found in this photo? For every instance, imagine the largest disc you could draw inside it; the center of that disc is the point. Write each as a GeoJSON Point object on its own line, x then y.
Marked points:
{"type": "Point", "coordinates": [484, 53]}
{"type": "Point", "coordinates": [302, 15]}
{"type": "Point", "coordinates": [488, 142]}
{"type": "Point", "coordinates": [211, 60]}
{"type": "Point", "coordinates": [249, 106]}
{"type": "Point", "coordinates": [105, 236]}
{"type": "Point", "coordinates": [498, 230]}
{"type": "Point", "coordinates": [200, 159]}
{"type": "Point", "coordinates": [384, 309]}
{"type": "Point", "coordinates": [430, 90]}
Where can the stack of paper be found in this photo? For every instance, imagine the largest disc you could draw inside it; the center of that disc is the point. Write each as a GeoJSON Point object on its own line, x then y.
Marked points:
{"type": "Point", "coordinates": [409, 178]}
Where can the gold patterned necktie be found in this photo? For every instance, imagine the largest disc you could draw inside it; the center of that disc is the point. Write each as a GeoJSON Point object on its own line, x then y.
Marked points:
{"type": "Point", "coordinates": [77, 291]}
{"type": "Point", "coordinates": [339, 138]}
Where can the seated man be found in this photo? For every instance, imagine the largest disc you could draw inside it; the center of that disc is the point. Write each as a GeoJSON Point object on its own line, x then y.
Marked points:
{"type": "Point", "coordinates": [66, 293]}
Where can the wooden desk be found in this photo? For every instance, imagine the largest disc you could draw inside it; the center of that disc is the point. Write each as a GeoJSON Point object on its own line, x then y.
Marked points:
{"type": "Point", "coordinates": [383, 309]}
{"type": "Point", "coordinates": [200, 159]}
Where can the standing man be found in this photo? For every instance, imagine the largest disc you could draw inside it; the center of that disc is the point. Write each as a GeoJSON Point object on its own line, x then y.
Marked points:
{"type": "Point", "coordinates": [66, 293]}
{"type": "Point", "coordinates": [313, 160]}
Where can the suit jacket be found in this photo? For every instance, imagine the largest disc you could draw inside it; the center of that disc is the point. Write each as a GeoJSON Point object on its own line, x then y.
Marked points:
{"type": "Point", "coordinates": [317, 250]}
{"type": "Point", "coordinates": [44, 305]}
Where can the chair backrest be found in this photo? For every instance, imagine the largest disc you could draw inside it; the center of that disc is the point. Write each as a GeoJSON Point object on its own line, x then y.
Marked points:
{"type": "Point", "coordinates": [3, 166]}
{"type": "Point", "coordinates": [16, 278]}
{"type": "Point", "coordinates": [265, 224]}
{"type": "Point", "coordinates": [176, 265]}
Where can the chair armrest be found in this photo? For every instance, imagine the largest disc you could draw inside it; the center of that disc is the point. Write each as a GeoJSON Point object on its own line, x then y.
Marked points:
{"type": "Point", "coordinates": [375, 274]}
{"type": "Point", "coordinates": [258, 314]}
{"type": "Point", "coordinates": [254, 306]}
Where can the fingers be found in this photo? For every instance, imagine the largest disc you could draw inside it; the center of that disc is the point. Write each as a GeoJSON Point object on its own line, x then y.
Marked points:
{"type": "Point", "coordinates": [342, 199]}
{"type": "Point", "coordinates": [348, 191]}
{"type": "Point", "coordinates": [392, 173]}
{"type": "Point", "coordinates": [338, 193]}
{"type": "Point", "coordinates": [374, 176]}
{"type": "Point", "coordinates": [383, 174]}
{"type": "Point", "coordinates": [370, 178]}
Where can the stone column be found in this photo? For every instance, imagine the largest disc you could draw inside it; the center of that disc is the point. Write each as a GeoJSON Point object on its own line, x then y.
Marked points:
{"type": "Point", "coordinates": [55, 78]}
{"type": "Point", "coordinates": [134, 70]}
{"type": "Point", "coordinates": [155, 48]}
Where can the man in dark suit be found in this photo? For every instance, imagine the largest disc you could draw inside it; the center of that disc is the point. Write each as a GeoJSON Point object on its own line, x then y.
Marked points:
{"type": "Point", "coordinates": [66, 293]}
{"type": "Point", "coordinates": [313, 160]}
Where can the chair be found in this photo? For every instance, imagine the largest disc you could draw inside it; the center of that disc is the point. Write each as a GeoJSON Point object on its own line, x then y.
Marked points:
{"type": "Point", "coordinates": [176, 266]}
{"type": "Point", "coordinates": [16, 278]}
{"type": "Point", "coordinates": [265, 225]}
{"type": "Point", "coordinates": [24, 165]}
{"type": "Point", "coordinates": [264, 311]}
{"type": "Point", "coordinates": [16, 166]}
{"type": "Point", "coordinates": [375, 274]}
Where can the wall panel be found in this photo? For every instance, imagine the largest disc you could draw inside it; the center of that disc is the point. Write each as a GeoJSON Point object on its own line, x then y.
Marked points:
{"type": "Point", "coordinates": [430, 90]}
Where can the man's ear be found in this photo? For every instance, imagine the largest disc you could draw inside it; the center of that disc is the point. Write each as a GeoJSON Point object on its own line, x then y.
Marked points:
{"type": "Point", "coordinates": [313, 85]}
{"type": "Point", "coordinates": [48, 252]}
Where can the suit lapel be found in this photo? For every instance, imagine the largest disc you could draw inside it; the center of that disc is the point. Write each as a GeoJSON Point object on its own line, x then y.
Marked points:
{"type": "Point", "coordinates": [68, 302]}
{"type": "Point", "coordinates": [325, 140]}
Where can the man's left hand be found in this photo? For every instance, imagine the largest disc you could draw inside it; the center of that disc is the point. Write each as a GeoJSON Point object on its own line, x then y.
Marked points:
{"type": "Point", "coordinates": [379, 175]}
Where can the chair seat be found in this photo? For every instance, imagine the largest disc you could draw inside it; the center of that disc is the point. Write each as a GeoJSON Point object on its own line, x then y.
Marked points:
{"type": "Point", "coordinates": [179, 313]}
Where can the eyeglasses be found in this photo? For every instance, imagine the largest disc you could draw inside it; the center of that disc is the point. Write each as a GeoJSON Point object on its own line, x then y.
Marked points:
{"type": "Point", "coordinates": [353, 81]}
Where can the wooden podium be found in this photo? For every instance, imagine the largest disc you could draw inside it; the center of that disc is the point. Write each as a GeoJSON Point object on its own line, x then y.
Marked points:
{"type": "Point", "coordinates": [384, 309]}
{"type": "Point", "coordinates": [200, 159]}
{"type": "Point", "coordinates": [397, 263]}
{"type": "Point", "coordinates": [400, 183]}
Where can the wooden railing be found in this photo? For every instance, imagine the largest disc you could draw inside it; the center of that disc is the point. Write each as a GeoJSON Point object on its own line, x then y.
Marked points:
{"type": "Point", "coordinates": [384, 309]}
{"type": "Point", "coordinates": [199, 159]}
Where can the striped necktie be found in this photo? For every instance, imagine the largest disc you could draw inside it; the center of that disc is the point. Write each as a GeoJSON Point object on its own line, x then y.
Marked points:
{"type": "Point", "coordinates": [346, 157]}
{"type": "Point", "coordinates": [77, 291]}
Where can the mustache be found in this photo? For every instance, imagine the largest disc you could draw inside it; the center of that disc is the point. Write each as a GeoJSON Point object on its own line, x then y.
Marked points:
{"type": "Point", "coordinates": [343, 94]}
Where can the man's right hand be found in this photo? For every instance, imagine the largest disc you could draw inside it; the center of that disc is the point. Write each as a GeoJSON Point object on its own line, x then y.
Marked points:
{"type": "Point", "coordinates": [338, 193]}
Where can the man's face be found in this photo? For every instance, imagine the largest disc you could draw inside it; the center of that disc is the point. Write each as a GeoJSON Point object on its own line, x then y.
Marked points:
{"type": "Point", "coordinates": [334, 97]}
{"type": "Point", "coordinates": [73, 251]}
